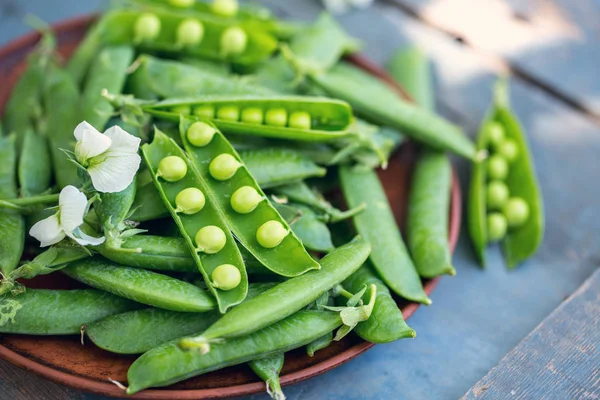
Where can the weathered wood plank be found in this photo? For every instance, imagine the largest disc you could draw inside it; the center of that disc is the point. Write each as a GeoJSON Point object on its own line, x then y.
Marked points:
{"type": "Point", "coordinates": [560, 359]}
{"type": "Point", "coordinates": [555, 42]}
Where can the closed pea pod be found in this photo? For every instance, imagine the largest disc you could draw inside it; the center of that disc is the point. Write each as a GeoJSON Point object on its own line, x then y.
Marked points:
{"type": "Point", "coordinates": [378, 225]}
{"type": "Point", "coordinates": [268, 369]}
{"type": "Point", "coordinates": [313, 232]}
{"type": "Point", "coordinates": [141, 285]}
{"type": "Point", "coordinates": [58, 312]}
{"type": "Point", "coordinates": [285, 298]}
{"type": "Point", "coordinates": [286, 255]}
{"type": "Point", "coordinates": [197, 35]}
{"type": "Point", "coordinates": [167, 364]}
{"type": "Point", "coordinates": [34, 169]}
{"type": "Point", "coordinates": [429, 200]}
{"type": "Point", "coordinates": [189, 225]}
{"type": "Point", "coordinates": [330, 119]}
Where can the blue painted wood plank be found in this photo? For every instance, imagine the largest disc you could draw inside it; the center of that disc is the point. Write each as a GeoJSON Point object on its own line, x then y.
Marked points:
{"type": "Point", "coordinates": [478, 316]}
{"type": "Point", "coordinates": [560, 359]}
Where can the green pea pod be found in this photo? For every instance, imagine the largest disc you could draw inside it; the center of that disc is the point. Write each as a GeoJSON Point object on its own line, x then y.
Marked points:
{"type": "Point", "coordinates": [321, 343]}
{"type": "Point", "coordinates": [274, 167]}
{"type": "Point", "coordinates": [81, 60]}
{"type": "Point", "coordinates": [429, 201]}
{"type": "Point", "coordinates": [301, 193]}
{"type": "Point", "coordinates": [189, 225]}
{"type": "Point", "coordinates": [120, 30]}
{"type": "Point", "coordinates": [135, 332]}
{"type": "Point", "coordinates": [143, 286]}
{"type": "Point", "coordinates": [520, 243]}
{"type": "Point", "coordinates": [148, 204]}
{"type": "Point", "coordinates": [313, 232]}
{"type": "Point", "coordinates": [329, 119]}
{"type": "Point", "coordinates": [61, 103]}
{"type": "Point", "coordinates": [34, 169]}
{"type": "Point", "coordinates": [168, 363]}
{"type": "Point", "coordinates": [155, 77]}
{"type": "Point", "coordinates": [12, 235]}
{"type": "Point", "coordinates": [286, 298]}
{"type": "Point", "coordinates": [379, 103]}
{"type": "Point", "coordinates": [386, 323]}
{"type": "Point", "coordinates": [107, 72]}
{"type": "Point", "coordinates": [378, 225]}
{"type": "Point", "coordinates": [268, 369]}
{"type": "Point", "coordinates": [57, 312]}
{"type": "Point", "coordinates": [289, 257]}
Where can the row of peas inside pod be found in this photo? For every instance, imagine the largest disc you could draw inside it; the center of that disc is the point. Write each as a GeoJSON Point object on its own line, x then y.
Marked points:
{"type": "Point", "coordinates": [503, 211]}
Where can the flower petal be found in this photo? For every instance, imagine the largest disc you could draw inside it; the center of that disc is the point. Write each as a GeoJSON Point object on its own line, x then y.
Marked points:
{"type": "Point", "coordinates": [72, 205]}
{"type": "Point", "coordinates": [48, 231]}
{"type": "Point", "coordinates": [84, 239]}
{"type": "Point", "coordinates": [114, 170]}
{"type": "Point", "coordinates": [90, 142]}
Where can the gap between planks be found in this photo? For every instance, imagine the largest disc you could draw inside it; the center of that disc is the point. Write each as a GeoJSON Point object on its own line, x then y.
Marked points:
{"type": "Point", "coordinates": [499, 64]}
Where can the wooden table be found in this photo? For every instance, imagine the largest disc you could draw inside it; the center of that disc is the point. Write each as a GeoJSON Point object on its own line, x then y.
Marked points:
{"type": "Point", "coordinates": [550, 47]}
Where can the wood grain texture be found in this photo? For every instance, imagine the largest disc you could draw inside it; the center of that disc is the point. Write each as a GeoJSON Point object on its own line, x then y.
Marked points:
{"type": "Point", "coordinates": [560, 359]}
{"type": "Point", "coordinates": [552, 42]}
{"type": "Point", "coordinates": [477, 316]}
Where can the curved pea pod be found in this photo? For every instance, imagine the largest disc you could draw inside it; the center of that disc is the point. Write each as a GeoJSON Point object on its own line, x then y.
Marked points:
{"type": "Point", "coordinates": [62, 106]}
{"type": "Point", "coordinates": [143, 286]}
{"type": "Point", "coordinates": [274, 167]}
{"type": "Point", "coordinates": [155, 77]}
{"type": "Point", "coordinates": [58, 312]}
{"type": "Point", "coordinates": [319, 344]}
{"type": "Point", "coordinates": [288, 297]}
{"type": "Point", "coordinates": [378, 225]}
{"type": "Point", "coordinates": [120, 30]}
{"type": "Point", "coordinates": [377, 102]}
{"type": "Point", "coordinates": [189, 225]}
{"type": "Point", "coordinates": [268, 369]}
{"type": "Point", "coordinates": [386, 323]}
{"type": "Point", "coordinates": [12, 235]}
{"type": "Point", "coordinates": [135, 332]}
{"type": "Point", "coordinates": [107, 72]}
{"type": "Point", "coordinates": [168, 363]}
{"type": "Point", "coordinates": [329, 119]}
{"type": "Point", "coordinates": [520, 244]}
{"type": "Point", "coordinates": [289, 257]}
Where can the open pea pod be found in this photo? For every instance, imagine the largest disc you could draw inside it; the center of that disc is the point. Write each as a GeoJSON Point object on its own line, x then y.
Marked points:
{"type": "Point", "coordinates": [520, 242]}
{"type": "Point", "coordinates": [189, 224]}
{"type": "Point", "coordinates": [283, 117]}
{"type": "Point", "coordinates": [120, 27]}
{"type": "Point", "coordinates": [254, 211]}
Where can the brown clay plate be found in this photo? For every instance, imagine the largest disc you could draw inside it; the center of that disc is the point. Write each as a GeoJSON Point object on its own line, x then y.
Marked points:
{"type": "Point", "coordinates": [64, 360]}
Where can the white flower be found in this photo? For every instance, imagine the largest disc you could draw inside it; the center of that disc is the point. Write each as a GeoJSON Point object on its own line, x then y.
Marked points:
{"type": "Point", "coordinates": [72, 206]}
{"type": "Point", "coordinates": [110, 158]}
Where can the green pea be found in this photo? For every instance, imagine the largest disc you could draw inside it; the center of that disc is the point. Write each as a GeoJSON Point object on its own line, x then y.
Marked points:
{"type": "Point", "coordinates": [495, 134]}
{"type": "Point", "coordinates": [508, 149]}
{"type": "Point", "coordinates": [233, 41]}
{"type": "Point", "coordinates": [182, 3]}
{"type": "Point", "coordinates": [172, 168]}
{"type": "Point", "coordinates": [146, 28]}
{"type": "Point", "coordinates": [181, 110]}
{"type": "Point", "coordinates": [300, 120]}
{"type": "Point", "coordinates": [223, 167]}
{"type": "Point", "coordinates": [497, 195]}
{"type": "Point", "coordinates": [276, 117]}
{"type": "Point", "coordinates": [252, 115]}
{"type": "Point", "coordinates": [496, 227]}
{"type": "Point", "coordinates": [516, 211]}
{"type": "Point", "coordinates": [189, 201]}
{"type": "Point", "coordinates": [190, 32]}
{"type": "Point", "coordinates": [245, 199]}
{"type": "Point", "coordinates": [206, 111]}
{"type": "Point", "coordinates": [497, 168]}
{"type": "Point", "coordinates": [210, 239]}
{"type": "Point", "coordinates": [226, 277]}
{"type": "Point", "coordinates": [200, 134]}
{"type": "Point", "coordinates": [228, 113]}
{"type": "Point", "coordinates": [225, 8]}
{"type": "Point", "coordinates": [271, 234]}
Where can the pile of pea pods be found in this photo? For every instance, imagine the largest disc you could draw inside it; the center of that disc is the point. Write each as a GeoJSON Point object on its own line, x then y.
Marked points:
{"type": "Point", "coordinates": [185, 164]}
